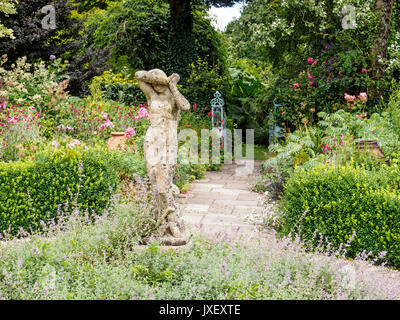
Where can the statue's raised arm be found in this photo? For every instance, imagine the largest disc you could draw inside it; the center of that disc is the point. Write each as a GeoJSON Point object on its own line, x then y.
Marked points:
{"type": "Point", "coordinates": [180, 100]}
{"type": "Point", "coordinates": [146, 80]}
{"type": "Point", "coordinates": [151, 78]}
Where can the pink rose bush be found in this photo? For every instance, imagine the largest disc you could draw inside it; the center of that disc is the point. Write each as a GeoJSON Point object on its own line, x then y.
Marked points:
{"type": "Point", "coordinates": [19, 126]}
{"type": "Point", "coordinates": [355, 103]}
{"type": "Point", "coordinates": [363, 97]}
{"type": "Point", "coordinates": [84, 123]}
{"type": "Point", "coordinates": [322, 82]}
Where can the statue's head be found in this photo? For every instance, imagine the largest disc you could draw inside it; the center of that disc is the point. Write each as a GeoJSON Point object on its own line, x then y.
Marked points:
{"type": "Point", "coordinates": [159, 87]}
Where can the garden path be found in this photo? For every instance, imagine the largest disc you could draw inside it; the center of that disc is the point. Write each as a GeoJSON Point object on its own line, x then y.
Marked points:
{"type": "Point", "coordinates": [220, 204]}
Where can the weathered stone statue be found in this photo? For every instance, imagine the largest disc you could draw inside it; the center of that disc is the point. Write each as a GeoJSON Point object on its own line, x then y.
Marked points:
{"type": "Point", "coordinates": [160, 149]}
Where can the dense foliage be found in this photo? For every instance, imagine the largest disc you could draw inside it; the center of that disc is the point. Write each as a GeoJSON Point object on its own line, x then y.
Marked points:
{"type": "Point", "coordinates": [36, 42]}
{"type": "Point", "coordinates": [319, 52]}
{"type": "Point", "coordinates": [138, 30]}
{"type": "Point", "coordinates": [7, 7]}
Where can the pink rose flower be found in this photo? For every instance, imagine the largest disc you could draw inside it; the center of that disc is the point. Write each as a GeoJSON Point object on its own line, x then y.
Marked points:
{"type": "Point", "coordinates": [107, 124]}
{"type": "Point", "coordinates": [12, 120]}
{"type": "Point", "coordinates": [73, 143]}
{"type": "Point", "coordinates": [363, 96]}
{"type": "Point", "coordinates": [143, 113]}
{"type": "Point", "coordinates": [349, 98]}
{"type": "Point", "coordinates": [130, 132]}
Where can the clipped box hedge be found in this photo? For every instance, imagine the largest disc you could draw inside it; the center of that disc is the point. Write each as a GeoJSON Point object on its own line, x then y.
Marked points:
{"type": "Point", "coordinates": [33, 191]}
{"type": "Point", "coordinates": [341, 200]}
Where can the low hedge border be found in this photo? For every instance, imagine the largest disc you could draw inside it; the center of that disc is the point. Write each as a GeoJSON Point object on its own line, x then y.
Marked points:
{"type": "Point", "coordinates": [342, 200]}
{"type": "Point", "coordinates": [33, 191]}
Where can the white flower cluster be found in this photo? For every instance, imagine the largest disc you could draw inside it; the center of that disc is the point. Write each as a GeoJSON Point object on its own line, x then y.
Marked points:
{"type": "Point", "coordinates": [393, 54]}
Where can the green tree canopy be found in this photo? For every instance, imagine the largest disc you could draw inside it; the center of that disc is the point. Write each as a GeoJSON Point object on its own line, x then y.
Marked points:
{"type": "Point", "coordinates": [138, 31]}
{"type": "Point", "coordinates": [283, 31]}
{"type": "Point", "coordinates": [182, 50]}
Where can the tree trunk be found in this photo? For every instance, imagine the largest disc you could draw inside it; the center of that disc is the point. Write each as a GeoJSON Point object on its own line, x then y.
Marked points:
{"type": "Point", "coordinates": [181, 45]}
{"type": "Point", "coordinates": [383, 10]}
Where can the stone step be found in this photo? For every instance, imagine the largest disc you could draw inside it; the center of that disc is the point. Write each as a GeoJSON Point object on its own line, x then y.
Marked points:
{"type": "Point", "coordinates": [213, 218]}
{"type": "Point", "coordinates": [194, 208]}
{"type": "Point", "coordinates": [206, 187]}
{"type": "Point", "coordinates": [246, 210]}
{"type": "Point", "coordinates": [220, 204]}
{"type": "Point", "coordinates": [235, 203]}
{"type": "Point", "coordinates": [239, 211]}
{"type": "Point", "coordinates": [206, 201]}
{"type": "Point", "coordinates": [230, 191]}
{"type": "Point", "coordinates": [214, 232]}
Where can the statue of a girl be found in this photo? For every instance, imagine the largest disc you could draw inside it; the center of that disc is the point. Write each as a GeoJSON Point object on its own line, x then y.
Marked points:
{"type": "Point", "coordinates": [165, 103]}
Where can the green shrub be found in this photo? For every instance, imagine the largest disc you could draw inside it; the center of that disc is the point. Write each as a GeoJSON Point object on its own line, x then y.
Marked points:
{"type": "Point", "coordinates": [33, 191]}
{"type": "Point", "coordinates": [120, 87]}
{"type": "Point", "coordinates": [187, 172]}
{"type": "Point", "coordinates": [203, 81]}
{"type": "Point", "coordinates": [338, 202]}
{"type": "Point", "coordinates": [130, 163]}
{"type": "Point", "coordinates": [39, 84]}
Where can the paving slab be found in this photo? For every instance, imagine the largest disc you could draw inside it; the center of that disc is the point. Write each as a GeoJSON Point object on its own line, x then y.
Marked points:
{"type": "Point", "coordinates": [250, 203]}
{"type": "Point", "coordinates": [207, 201]}
{"type": "Point", "coordinates": [228, 232]}
{"type": "Point", "coordinates": [190, 208]}
{"type": "Point", "coordinates": [249, 196]}
{"type": "Point", "coordinates": [221, 209]}
{"type": "Point", "coordinates": [220, 203]}
{"type": "Point", "coordinates": [245, 210]}
{"type": "Point", "coordinates": [226, 191]}
{"type": "Point", "coordinates": [205, 186]}
{"type": "Point", "coordinates": [215, 196]}
{"type": "Point", "coordinates": [214, 219]}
